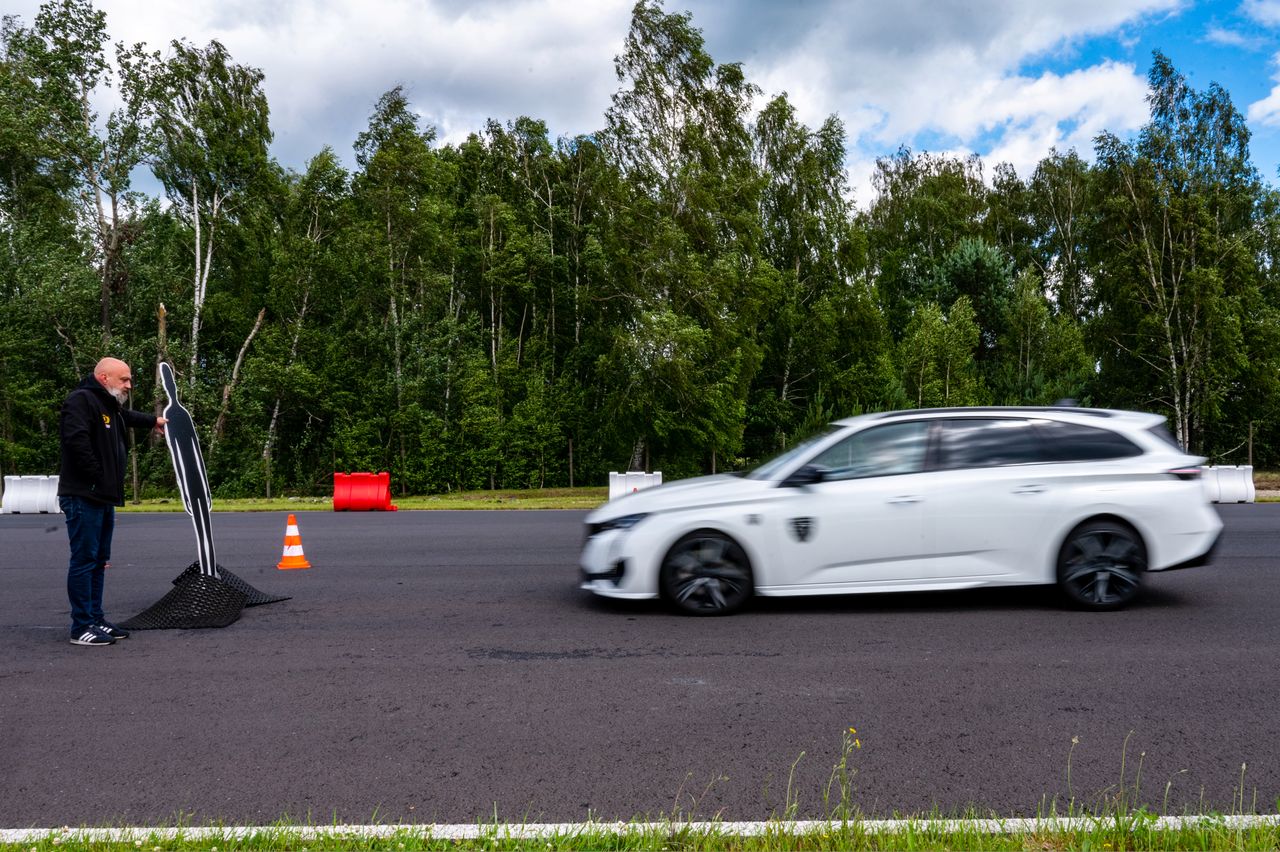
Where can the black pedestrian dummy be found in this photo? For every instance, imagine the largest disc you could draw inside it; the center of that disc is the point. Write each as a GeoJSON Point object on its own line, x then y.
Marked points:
{"type": "Point", "coordinates": [188, 465]}
{"type": "Point", "coordinates": [205, 594]}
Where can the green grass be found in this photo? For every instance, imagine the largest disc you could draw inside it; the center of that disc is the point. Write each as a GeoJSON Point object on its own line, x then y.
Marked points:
{"type": "Point", "coordinates": [1104, 832]}
{"type": "Point", "coordinates": [534, 498]}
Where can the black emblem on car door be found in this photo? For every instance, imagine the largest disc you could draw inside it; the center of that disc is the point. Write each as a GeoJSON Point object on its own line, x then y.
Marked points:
{"type": "Point", "coordinates": [802, 527]}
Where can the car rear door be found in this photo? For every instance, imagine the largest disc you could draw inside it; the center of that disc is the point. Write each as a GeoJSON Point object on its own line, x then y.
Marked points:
{"type": "Point", "coordinates": [992, 502]}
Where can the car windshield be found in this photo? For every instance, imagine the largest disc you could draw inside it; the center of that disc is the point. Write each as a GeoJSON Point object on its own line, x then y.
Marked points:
{"type": "Point", "coordinates": [769, 469]}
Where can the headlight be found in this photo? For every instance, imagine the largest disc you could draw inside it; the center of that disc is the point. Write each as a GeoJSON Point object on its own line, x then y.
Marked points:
{"type": "Point", "coordinates": [625, 522]}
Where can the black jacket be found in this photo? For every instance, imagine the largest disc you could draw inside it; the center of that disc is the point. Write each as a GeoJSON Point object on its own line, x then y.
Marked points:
{"type": "Point", "coordinates": [91, 430]}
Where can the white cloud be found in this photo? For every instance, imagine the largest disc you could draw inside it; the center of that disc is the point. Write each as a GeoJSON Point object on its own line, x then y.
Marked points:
{"type": "Point", "coordinates": [896, 71]}
{"type": "Point", "coordinates": [1267, 111]}
{"type": "Point", "coordinates": [1230, 38]}
{"type": "Point", "coordinates": [893, 70]}
{"type": "Point", "coordinates": [1265, 12]}
{"type": "Point", "coordinates": [327, 62]}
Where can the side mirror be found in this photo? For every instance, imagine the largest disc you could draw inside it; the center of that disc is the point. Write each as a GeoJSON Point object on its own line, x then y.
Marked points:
{"type": "Point", "coordinates": [806, 474]}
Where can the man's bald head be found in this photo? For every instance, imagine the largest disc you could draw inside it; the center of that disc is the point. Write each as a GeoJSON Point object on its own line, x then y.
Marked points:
{"type": "Point", "coordinates": [114, 375]}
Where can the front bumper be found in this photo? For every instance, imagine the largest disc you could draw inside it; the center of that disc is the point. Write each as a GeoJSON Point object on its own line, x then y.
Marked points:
{"type": "Point", "coordinates": [607, 568]}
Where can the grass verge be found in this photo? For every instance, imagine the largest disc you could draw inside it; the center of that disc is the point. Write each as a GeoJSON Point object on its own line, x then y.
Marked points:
{"type": "Point", "coordinates": [1138, 830]}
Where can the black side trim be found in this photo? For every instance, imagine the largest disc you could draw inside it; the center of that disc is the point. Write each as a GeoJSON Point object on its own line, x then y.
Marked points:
{"type": "Point", "coordinates": [614, 574]}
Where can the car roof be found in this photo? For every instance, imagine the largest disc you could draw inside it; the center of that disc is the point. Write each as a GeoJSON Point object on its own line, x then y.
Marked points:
{"type": "Point", "coordinates": [1056, 412]}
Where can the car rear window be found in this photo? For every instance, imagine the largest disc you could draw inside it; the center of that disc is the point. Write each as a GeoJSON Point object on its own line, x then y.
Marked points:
{"type": "Point", "coordinates": [980, 442]}
{"type": "Point", "coordinates": [1072, 442]}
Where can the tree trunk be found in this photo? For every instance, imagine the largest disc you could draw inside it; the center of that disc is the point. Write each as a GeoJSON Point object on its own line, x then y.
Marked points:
{"type": "Point", "coordinates": [275, 411]}
{"type": "Point", "coordinates": [220, 423]}
{"type": "Point", "coordinates": [201, 283]}
{"type": "Point", "coordinates": [638, 453]}
{"type": "Point", "coordinates": [162, 355]}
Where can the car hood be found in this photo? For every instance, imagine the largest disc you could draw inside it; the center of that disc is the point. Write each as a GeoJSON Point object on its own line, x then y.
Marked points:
{"type": "Point", "coordinates": [682, 493]}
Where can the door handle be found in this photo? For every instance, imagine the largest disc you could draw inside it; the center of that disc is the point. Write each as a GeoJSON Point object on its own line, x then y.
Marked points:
{"type": "Point", "coordinates": [905, 499]}
{"type": "Point", "coordinates": [1029, 489]}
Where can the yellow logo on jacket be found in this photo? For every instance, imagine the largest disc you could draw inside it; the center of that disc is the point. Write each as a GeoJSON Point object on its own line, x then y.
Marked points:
{"type": "Point", "coordinates": [106, 420]}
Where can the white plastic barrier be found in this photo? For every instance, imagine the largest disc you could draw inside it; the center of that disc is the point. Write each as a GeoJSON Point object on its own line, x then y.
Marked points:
{"type": "Point", "coordinates": [1230, 483]}
{"type": "Point", "coordinates": [626, 483]}
{"type": "Point", "coordinates": [1209, 479]}
{"type": "Point", "coordinates": [30, 494]}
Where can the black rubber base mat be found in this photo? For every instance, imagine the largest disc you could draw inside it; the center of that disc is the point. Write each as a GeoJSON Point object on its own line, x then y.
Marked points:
{"type": "Point", "coordinates": [253, 596]}
{"type": "Point", "coordinates": [196, 600]}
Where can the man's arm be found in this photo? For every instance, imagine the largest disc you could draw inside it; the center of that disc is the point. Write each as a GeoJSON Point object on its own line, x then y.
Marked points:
{"type": "Point", "coordinates": [142, 420]}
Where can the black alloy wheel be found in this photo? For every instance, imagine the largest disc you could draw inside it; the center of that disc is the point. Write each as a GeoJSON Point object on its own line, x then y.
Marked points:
{"type": "Point", "coordinates": [706, 573]}
{"type": "Point", "coordinates": [1101, 565]}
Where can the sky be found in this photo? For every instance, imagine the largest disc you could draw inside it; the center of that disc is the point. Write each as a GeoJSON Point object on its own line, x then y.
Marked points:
{"type": "Point", "coordinates": [1009, 80]}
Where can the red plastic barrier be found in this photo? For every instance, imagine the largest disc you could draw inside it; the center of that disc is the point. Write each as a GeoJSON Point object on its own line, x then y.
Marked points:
{"type": "Point", "coordinates": [362, 492]}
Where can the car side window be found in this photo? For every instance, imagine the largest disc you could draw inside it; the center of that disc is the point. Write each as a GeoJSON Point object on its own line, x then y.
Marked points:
{"type": "Point", "coordinates": [980, 442]}
{"type": "Point", "coordinates": [888, 450]}
{"type": "Point", "coordinates": [1073, 442]}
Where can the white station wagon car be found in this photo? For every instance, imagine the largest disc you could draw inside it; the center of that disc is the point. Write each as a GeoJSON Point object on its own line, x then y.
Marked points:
{"type": "Point", "coordinates": [934, 499]}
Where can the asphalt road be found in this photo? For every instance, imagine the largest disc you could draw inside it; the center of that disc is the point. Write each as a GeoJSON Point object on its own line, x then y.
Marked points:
{"type": "Point", "coordinates": [443, 667]}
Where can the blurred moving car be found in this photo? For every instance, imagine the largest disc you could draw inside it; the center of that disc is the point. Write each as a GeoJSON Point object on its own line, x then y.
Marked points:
{"type": "Point", "coordinates": [1089, 499]}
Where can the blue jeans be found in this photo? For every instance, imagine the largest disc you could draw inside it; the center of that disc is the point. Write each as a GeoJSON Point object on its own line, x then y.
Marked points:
{"type": "Point", "coordinates": [89, 527]}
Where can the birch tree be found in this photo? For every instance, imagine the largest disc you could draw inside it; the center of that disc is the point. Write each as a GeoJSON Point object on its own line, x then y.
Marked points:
{"type": "Point", "coordinates": [684, 237]}
{"type": "Point", "coordinates": [212, 131]}
{"type": "Point", "coordinates": [1175, 257]}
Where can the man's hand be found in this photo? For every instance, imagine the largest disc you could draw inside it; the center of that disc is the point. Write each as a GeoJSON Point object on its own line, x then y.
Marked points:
{"type": "Point", "coordinates": [160, 421]}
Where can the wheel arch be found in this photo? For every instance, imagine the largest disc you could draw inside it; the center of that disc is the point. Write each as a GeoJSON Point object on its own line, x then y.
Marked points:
{"type": "Point", "coordinates": [1061, 543]}
{"type": "Point", "coordinates": [748, 547]}
{"type": "Point", "coordinates": [673, 537]}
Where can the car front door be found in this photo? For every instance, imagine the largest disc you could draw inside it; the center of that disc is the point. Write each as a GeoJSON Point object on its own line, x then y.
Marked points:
{"type": "Point", "coordinates": [862, 525]}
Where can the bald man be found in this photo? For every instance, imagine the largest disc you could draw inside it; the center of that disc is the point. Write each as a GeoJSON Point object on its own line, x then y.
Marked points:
{"type": "Point", "coordinates": [91, 485]}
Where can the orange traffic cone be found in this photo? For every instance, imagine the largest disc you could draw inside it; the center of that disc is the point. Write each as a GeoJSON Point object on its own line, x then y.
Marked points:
{"type": "Point", "coordinates": [292, 557]}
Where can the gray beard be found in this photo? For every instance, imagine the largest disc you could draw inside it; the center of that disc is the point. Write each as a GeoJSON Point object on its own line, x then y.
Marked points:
{"type": "Point", "coordinates": [119, 393]}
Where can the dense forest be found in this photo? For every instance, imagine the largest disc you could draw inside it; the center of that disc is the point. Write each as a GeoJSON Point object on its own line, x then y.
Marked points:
{"type": "Point", "coordinates": [690, 288]}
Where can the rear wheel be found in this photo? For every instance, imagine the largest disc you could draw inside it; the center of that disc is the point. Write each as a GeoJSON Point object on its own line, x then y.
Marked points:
{"type": "Point", "coordinates": [706, 573]}
{"type": "Point", "coordinates": [1101, 565]}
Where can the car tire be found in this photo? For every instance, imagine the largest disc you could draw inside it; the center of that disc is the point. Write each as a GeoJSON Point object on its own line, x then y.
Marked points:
{"type": "Point", "coordinates": [1101, 564]}
{"type": "Point", "coordinates": [706, 573]}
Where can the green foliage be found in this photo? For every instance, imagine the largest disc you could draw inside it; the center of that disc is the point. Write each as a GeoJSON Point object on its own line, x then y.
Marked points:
{"type": "Point", "coordinates": [1176, 254]}
{"type": "Point", "coordinates": [936, 356]}
{"type": "Point", "coordinates": [925, 205]}
{"type": "Point", "coordinates": [1041, 358]}
{"type": "Point", "coordinates": [979, 272]}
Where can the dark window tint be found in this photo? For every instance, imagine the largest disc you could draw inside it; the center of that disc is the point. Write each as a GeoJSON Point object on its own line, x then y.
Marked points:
{"type": "Point", "coordinates": [987, 443]}
{"type": "Point", "coordinates": [1071, 442]}
{"type": "Point", "coordinates": [878, 451]}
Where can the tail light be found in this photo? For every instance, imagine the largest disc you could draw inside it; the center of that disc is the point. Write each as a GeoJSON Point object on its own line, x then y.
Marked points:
{"type": "Point", "coordinates": [1186, 474]}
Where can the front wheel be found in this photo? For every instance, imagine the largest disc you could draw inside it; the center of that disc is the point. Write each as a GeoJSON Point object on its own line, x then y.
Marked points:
{"type": "Point", "coordinates": [1101, 565]}
{"type": "Point", "coordinates": [706, 573]}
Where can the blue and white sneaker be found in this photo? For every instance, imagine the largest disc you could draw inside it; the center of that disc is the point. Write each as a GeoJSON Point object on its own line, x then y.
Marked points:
{"type": "Point", "coordinates": [111, 630]}
{"type": "Point", "coordinates": [91, 636]}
